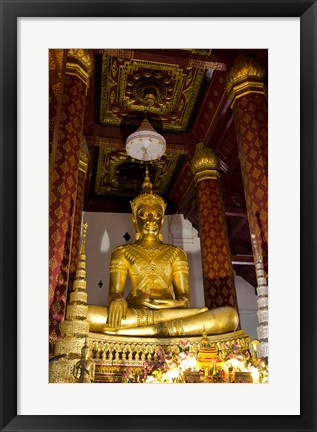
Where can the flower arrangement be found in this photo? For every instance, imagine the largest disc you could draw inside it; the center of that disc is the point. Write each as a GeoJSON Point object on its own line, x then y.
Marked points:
{"type": "Point", "coordinates": [168, 368]}
{"type": "Point", "coordinates": [175, 367]}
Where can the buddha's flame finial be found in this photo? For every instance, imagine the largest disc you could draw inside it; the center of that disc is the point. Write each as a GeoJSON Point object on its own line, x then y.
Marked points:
{"type": "Point", "coordinates": [147, 196]}
{"type": "Point", "coordinates": [147, 185]}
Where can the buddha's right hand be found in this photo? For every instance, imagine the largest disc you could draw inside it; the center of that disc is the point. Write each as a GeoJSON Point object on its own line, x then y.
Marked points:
{"type": "Point", "coordinates": [117, 311]}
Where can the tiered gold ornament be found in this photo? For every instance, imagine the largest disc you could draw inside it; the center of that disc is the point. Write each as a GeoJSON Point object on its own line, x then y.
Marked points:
{"type": "Point", "coordinates": [75, 328]}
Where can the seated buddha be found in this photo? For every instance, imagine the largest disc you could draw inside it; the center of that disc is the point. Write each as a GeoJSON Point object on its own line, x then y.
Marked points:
{"type": "Point", "coordinates": [158, 304]}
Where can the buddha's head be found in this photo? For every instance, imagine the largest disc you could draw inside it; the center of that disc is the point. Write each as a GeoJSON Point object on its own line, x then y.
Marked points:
{"type": "Point", "coordinates": [148, 212]}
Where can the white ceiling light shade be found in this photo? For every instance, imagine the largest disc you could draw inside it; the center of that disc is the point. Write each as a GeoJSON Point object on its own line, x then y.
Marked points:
{"type": "Point", "coordinates": [145, 144]}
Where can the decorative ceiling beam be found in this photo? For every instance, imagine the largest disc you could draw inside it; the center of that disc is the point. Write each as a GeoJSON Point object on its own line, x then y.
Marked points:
{"type": "Point", "coordinates": [242, 260]}
{"type": "Point", "coordinates": [224, 131]}
{"type": "Point", "coordinates": [212, 109]}
{"type": "Point", "coordinates": [236, 212]}
{"type": "Point", "coordinates": [205, 58]}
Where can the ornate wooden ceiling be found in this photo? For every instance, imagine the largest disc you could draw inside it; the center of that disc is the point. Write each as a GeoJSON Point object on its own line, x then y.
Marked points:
{"type": "Point", "coordinates": [183, 95]}
{"type": "Point", "coordinates": [164, 91]}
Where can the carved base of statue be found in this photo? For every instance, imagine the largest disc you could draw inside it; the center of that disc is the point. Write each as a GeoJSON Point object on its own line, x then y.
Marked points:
{"type": "Point", "coordinates": [115, 355]}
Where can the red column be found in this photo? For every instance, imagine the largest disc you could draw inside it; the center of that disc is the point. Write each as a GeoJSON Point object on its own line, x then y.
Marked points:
{"type": "Point", "coordinates": [249, 102]}
{"type": "Point", "coordinates": [216, 257]}
{"type": "Point", "coordinates": [64, 183]}
{"type": "Point", "coordinates": [57, 65]}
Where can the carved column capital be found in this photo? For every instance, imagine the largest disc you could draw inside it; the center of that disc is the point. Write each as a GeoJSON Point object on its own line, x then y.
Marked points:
{"type": "Point", "coordinates": [205, 164]}
{"type": "Point", "coordinates": [80, 62]}
{"type": "Point", "coordinates": [246, 76]}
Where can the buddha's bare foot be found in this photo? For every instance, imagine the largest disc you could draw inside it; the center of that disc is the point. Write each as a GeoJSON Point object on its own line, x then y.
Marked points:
{"type": "Point", "coordinates": [137, 331]}
{"type": "Point", "coordinates": [170, 314]}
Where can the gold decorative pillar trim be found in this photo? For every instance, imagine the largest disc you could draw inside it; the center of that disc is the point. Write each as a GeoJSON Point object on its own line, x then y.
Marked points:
{"type": "Point", "coordinates": [246, 76]}
{"type": "Point", "coordinates": [84, 157]}
{"type": "Point", "coordinates": [205, 164]}
{"type": "Point", "coordinates": [80, 62]}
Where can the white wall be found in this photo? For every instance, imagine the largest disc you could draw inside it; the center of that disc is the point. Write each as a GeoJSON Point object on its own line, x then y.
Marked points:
{"type": "Point", "coordinates": [105, 232]}
{"type": "Point", "coordinates": [247, 304]}
{"type": "Point", "coordinates": [180, 232]}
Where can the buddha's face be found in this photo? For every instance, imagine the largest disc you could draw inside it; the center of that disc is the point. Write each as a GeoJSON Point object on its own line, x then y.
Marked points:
{"type": "Point", "coordinates": [149, 219]}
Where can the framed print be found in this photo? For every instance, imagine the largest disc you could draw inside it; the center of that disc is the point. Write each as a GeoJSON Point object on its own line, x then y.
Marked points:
{"type": "Point", "coordinates": [30, 32]}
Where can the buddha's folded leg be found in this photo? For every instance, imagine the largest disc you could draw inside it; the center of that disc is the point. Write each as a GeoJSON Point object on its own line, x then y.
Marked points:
{"type": "Point", "coordinates": [136, 318]}
{"type": "Point", "coordinates": [215, 321]}
{"type": "Point", "coordinates": [170, 314]}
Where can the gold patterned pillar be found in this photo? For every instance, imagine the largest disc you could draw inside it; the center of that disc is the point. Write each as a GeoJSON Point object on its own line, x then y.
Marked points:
{"type": "Point", "coordinates": [219, 285]}
{"type": "Point", "coordinates": [57, 65]}
{"type": "Point", "coordinates": [64, 183]}
{"type": "Point", "coordinates": [248, 96]}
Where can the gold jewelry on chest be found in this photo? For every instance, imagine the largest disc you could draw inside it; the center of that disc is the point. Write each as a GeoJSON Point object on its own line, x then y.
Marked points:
{"type": "Point", "coordinates": [146, 254]}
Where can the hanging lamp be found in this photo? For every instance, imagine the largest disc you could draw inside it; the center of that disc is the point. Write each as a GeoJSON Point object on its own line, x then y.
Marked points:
{"type": "Point", "coordinates": [145, 144]}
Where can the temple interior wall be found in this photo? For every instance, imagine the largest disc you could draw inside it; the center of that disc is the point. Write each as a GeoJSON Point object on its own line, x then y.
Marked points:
{"type": "Point", "coordinates": [107, 230]}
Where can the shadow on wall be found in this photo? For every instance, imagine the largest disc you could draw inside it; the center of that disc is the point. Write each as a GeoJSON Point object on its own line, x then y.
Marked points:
{"type": "Point", "coordinates": [105, 232]}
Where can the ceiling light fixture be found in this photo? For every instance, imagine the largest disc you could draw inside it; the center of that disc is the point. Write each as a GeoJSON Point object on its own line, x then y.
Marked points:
{"type": "Point", "coordinates": [145, 143]}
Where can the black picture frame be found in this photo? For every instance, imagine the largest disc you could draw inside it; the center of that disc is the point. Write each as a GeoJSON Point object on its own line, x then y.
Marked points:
{"type": "Point", "coordinates": [10, 11]}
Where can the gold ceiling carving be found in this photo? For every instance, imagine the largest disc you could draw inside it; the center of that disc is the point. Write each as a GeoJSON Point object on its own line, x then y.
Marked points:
{"type": "Point", "coordinates": [117, 173]}
{"type": "Point", "coordinates": [166, 91]}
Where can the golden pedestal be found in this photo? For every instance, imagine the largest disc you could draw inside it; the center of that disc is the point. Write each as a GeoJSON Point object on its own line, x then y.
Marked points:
{"type": "Point", "coordinates": [116, 356]}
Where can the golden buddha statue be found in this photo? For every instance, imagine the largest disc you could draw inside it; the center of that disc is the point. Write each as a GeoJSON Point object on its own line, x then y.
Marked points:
{"type": "Point", "coordinates": [158, 302]}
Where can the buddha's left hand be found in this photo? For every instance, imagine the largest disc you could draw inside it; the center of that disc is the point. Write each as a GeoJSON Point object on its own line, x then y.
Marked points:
{"type": "Point", "coordinates": [165, 303]}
